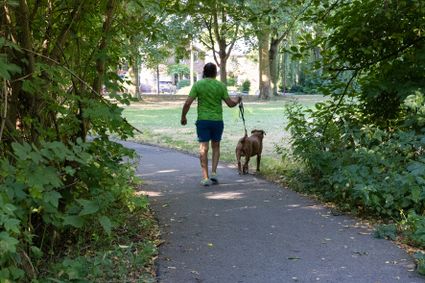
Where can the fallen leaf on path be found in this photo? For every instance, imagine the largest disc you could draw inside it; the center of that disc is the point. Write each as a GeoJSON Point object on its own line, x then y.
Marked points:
{"type": "Point", "coordinates": [360, 253]}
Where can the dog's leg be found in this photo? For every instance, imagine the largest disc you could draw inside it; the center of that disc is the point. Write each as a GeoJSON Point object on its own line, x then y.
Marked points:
{"type": "Point", "coordinates": [238, 159]}
{"type": "Point", "coordinates": [245, 166]}
{"type": "Point", "coordinates": [258, 162]}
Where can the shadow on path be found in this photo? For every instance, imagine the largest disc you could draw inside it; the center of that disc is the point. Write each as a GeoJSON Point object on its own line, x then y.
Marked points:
{"type": "Point", "coordinates": [249, 230]}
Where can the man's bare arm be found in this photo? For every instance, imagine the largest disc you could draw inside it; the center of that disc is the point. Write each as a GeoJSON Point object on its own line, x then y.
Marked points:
{"type": "Point", "coordinates": [232, 102]}
{"type": "Point", "coordinates": [185, 109]}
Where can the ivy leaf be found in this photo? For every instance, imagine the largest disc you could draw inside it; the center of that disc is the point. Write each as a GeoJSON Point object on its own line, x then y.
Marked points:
{"type": "Point", "coordinates": [36, 252]}
{"type": "Point", "coordinates": [12, 224]}
{"type": "Point", "coordinates": [416, 168]}
{"type": "Point", "coordinates": [42, 176]}
{"type": "Point", "coordinates": [106, 224]}
{"type": "Point", "coordinates": [73, 220]}
{"type": "Point", "coordinates": [6, 69]}
{"type": "Point", "coordinates": [16, 273]}
{"type": "Point", "coordinates": [7, 243]}
{"type": "Point", "coordinates": [21, 150]}
{"type": "Point", "coordinates": [420, 258]}
{"type": "Point", "coordinates": [9, 208]}
{"type": "Point", "coordinates": [386, 231]}
{"type": "Point", "coordinates": [52, 198]}
{"type": "Point", "coordinates": [416, 194]}
{"type": "Point", "coordinates": [69, 170]}
{"type": "Point", "coordinates": [89, 207]}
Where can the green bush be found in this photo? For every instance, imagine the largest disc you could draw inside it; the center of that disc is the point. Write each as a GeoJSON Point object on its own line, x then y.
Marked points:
{"type": "Point", "coordinates": [183, 83]}
{"type": "Point", "coordinates": [231, 81]}
{"type": "Point", "coordinates": [296, 89]}
{"type": "Point", "coordinates": [53, 192]}
{"type": "Point", "coordinates": [379, 171]}
{"type": "Point", "coordinates": [246, 85]}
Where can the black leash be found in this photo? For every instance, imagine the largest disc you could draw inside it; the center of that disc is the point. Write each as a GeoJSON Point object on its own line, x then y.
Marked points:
{"type": "Point", "coordinates": [241, 115]}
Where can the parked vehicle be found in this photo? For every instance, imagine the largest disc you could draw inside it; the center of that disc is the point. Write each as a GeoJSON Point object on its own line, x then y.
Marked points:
{"type": "Point", "coordinates": [166, 87]}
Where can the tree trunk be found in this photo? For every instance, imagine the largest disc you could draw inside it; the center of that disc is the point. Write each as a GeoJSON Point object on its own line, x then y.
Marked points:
{"type": "Point", "coordinates": [264, 60]}
{"type": "Point", "coordinates": [192, 65]}
{"type": "Point", "coordinates": [157, 79]}
{"type": "Point", "coordinates": [223, 67]}
{"type": "Point", "coordinates": [274, 62]}
{"type": "Point", "coordinates": [137, 77]}
{"type": "Point", "coordinates": [101, 62]}
{"type": "Point", "coordinates": [28, 101]}
{"type": "Point", "coordinates": [7, 30]}
{"type": "Point", "coordinates": [284, 72]}
{"type": "Point", "coordinates": [221, 40]}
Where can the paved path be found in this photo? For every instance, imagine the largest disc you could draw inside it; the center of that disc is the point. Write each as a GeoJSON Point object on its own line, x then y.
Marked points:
{"type": "Point", "coordinates": [249, 230]}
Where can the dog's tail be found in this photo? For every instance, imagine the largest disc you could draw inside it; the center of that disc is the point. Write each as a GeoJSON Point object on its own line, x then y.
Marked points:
{"type": "Point", "coordinates": [242, 140]}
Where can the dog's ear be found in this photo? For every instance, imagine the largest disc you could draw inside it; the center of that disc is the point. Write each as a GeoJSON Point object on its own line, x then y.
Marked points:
{"type": "Point", "coordinates": [253, 131]}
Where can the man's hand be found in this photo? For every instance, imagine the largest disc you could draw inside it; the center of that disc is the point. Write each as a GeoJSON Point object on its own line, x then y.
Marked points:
{"type": "Point", "coordinates": [185, 109]}
{"type": "Point", "coordinates": [233, 101]}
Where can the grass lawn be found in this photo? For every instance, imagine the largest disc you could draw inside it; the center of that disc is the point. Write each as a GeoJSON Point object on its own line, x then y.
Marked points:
{"type": "Point", "coordinates": [159, 120]}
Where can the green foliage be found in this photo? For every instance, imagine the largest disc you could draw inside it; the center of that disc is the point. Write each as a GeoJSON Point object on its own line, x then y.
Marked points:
{"type": "Point", "coordinates": [56, 188]}
{"type": "Point", "coordinates": [125, 257]}
{"type": "Point", "coordinates": [359, 164]}
{"type": "Point", "coordinates": [183, 83]}
{"type": "Point", "coordinates": [105, 266]}
{"type": "Point", "coordinates": [420, 259]}
{"type": "Point", "coordinates": [362, 166]}
{"type": "Point", "coordinates": [36, 196]}
{"type": "Point", "coordinates": [178, 69]}
{"type": "Point", "coordinates": [231, 81]}
{"type": "Point", "coordinates": [386, 231]}
{"type": "Point", "coordinates": [413, 228]}
{"type": "Point", "coordinates": [246, 85]}
{"type": "Point", "coordinates": [364, 150]}
{"type": "Point", "coordinates": [383, 44]}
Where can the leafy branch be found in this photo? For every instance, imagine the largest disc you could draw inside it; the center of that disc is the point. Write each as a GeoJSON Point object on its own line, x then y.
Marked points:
{"type": "Point", "coordinates": [99, 96]}
{"type": "Point", "coordinates": [394, 54]}
{"type": "Point", "coordinates": [354, 75]}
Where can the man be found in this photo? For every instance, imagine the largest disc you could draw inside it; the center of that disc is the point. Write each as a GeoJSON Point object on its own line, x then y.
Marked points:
{"type": "Point", "coordinates": [209, 125]}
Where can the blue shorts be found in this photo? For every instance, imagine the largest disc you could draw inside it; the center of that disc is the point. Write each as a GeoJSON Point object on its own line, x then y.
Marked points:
{"type": "Point", "coordinates": [209, 130]}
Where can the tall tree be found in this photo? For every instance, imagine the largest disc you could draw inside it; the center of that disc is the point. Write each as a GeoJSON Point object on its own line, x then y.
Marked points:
{"type": "Point", "coordinates": [283, 21]}
{"type": "Point", "coordinates": [55, 56]}
{"type": "Point", "coordinates": [259, 18]}
{"type": "Point", "coordinates": [221, 19]}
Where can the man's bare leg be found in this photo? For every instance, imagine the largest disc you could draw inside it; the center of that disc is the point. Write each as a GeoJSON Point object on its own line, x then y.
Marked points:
{"type": "Point", "coordinates": [203, 157]}
{"type": "Point", "coordinates": [215, 155]}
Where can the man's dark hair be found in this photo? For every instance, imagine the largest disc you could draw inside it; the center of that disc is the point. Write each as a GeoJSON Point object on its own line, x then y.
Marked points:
{"type": "Point", "coordinates": [210, 70]}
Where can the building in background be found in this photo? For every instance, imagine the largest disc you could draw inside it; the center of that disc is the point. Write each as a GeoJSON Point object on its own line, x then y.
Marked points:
{"type": "Point", "coordinates": [240, 67]}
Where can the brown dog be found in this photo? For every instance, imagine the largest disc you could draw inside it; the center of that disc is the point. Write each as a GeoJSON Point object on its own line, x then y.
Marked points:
{"type": "Point", "coordinates": [248, 147]}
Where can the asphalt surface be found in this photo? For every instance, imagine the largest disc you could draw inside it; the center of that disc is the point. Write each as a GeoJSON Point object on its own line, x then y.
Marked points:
{"type": "Point", "coordinates": [249, 230]}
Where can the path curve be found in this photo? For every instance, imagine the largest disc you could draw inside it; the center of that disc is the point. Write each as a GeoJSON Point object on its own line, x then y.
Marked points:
{"type": "Point", "coordinates": [249, 230]}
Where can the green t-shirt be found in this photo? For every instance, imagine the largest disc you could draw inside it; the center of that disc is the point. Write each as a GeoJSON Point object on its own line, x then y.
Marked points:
{"type": "Point", "coordinates": [209, 92]}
